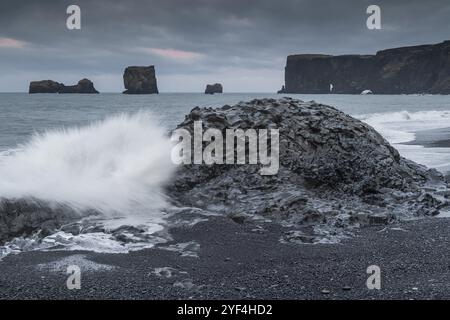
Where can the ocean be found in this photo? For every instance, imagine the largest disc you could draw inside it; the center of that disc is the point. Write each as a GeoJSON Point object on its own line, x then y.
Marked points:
{"type": "Point", "coordinates": [111, 152]}
{"type": "Point", "coordinates": [397, 117]}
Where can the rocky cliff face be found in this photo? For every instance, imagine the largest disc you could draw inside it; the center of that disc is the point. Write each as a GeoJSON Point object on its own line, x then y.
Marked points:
{"type": "Point", "coordinates": [214, 88]}
{"type": "Point", "coordinates": [408, 70]}
{"type": "Point", "coordinates": [49, 86]}
{"type": "Point", "coordinates": [140, 80]}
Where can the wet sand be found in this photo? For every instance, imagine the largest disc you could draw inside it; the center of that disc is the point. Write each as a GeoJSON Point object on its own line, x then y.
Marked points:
{"type": "Point", "coordinates": [436, 138]}
{"type": "Point", "coordinates": [242, 261]}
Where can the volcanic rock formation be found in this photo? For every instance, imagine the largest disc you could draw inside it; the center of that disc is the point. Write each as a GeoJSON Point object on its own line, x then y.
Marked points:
{"type": "Point", "coordinates": [335, 172]}
{"type": "Point", "coordinates": [140, 80]}
{"type": "Point", "coordinates": [214, 88]}
{"type": "Point", "coordinates": [407, 70]}
{"type": "Point", "coordinates": [49, 86]}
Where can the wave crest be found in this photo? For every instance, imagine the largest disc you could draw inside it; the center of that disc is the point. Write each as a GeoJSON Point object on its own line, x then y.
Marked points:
{"type": "Point", "coordinates": [118, 165]}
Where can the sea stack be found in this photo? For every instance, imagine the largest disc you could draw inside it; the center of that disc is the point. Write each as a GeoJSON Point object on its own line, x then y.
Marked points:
{"type": "Point", "coordinates": [49, 86]}
{"type": "Point", "coordinates": [282, 90]}
{"type": "Point", "coordinates": [45, 86]}
{"type": "Point", "coordinates": [83, 86]}
{"type": "Point", "coordinates": [214, 88]}
{"type": "Point", "coordinates": [407, 70]}
{"type": "Point", "coordinates": [140, 80]}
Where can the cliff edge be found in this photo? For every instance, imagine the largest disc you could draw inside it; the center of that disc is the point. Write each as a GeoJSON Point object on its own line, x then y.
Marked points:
{"type": "Point", "coordinates": [406, 70]}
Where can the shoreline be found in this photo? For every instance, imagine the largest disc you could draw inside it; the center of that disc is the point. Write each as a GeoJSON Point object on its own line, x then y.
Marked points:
{"type": "Point", "coordinates": [247, 261]}
{"type": "Point", "coordinates": [434, 138]}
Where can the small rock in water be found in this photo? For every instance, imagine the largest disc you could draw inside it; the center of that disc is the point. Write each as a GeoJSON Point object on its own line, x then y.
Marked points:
{"type": "Point", "coordinates": [325, 291]}
{"type": "Point", "coordinates": [346, 288]}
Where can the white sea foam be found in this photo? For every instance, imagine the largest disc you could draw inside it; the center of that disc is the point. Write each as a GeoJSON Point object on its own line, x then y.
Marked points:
{"type": "Point", "coordinates": [400, 127]}
{"type": "Point", "coordinates": [116, 166]}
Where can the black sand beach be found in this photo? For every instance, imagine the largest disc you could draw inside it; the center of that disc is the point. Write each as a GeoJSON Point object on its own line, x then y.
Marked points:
{"type": "Point", "coordinates": [436, 138]}
{"type": "Point", "coordinates": [237, 262]}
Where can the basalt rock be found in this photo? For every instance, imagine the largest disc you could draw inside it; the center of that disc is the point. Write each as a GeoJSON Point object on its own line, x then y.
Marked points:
{"type": "Point", "coordinates": [45, 86]}
{"type": "Point", "coordinates": [407, 70]}
{"type": "Point", "coordinates": [335, 173]}
{"type": "Point", "coordinates": [25, 217]}
{"type": "Point", "coordinates": [214, 88]}
{"type": "Point", "coordinates": [49, 86]}
{"type": "Point", "coordinates": [83, 86]}
{"type": "Point", "coordinates": [140, 80]}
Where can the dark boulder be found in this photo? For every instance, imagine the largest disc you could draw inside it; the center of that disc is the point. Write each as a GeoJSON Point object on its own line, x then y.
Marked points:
{"type": "Point", "coordinates": [25, 217]}
{"type": "Point", "coordinates": [140, 80]}
{"type": "Point", "coordinates": [335, 172]}
{"type": "Point", "coordinates": [214, 88]}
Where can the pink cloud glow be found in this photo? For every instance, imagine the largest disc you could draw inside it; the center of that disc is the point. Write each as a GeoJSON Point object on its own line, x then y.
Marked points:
{"type": "Point", "coordinates": [174, 54]}
{"type": "Point", "coordinates": [11, 43]}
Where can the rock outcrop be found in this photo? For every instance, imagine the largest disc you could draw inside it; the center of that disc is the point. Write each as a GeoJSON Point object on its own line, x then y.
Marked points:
{"type": "Point", "coordinates": [214, 88]}
{"type": "Point", "coordinates": [45, 86]}
{"type": "Point", "coordinates": [140, 80]}
{"type": "Point", "coordinates": [282, 90]}
{"type": "Point", "coordinates": [25, 217]}
{"type": "Point", "coordinates": [49, 86]}
{"type": "Point", "coordinates": [335, 172]}
{"type": "Point", "coordinates": [407, 70]}
{"type": "Point", "coordinates": [83, 86]}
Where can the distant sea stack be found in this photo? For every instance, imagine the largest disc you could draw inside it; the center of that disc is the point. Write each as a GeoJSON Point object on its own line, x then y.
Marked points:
{"type": "Point", "coordinates": [140, 80]}
{"type": "Point", "coordinates": [214, 88]}
{"type": "Point", "coordinates": [49, 86]}
{"type": "Point", "coordinates": [407, 70]}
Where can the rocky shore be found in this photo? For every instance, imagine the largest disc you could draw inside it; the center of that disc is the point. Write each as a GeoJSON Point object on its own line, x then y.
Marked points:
{"type": "Point", "coordinates": [246, 261]}
{"type": "Point", "coordinates": [335, 174]}
{"type": "Point", "coordinates": [238, 234]}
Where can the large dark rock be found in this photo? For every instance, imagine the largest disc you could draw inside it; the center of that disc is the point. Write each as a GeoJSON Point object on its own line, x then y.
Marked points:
{"type": "Point", "coordinates": [49, 86]}
{"type": "Point", "coordinates": [45, 86]}
{"type": "Point", "coordinates": [407, 70]}
{"type": "Point", "coordinates": [140, 80]}
{"type": "Point", "coordinates": [83, 86]}
{"type": "Point", "coordinates": [214, 88]}
{"type": "Point", "coordinates": [335, 172]}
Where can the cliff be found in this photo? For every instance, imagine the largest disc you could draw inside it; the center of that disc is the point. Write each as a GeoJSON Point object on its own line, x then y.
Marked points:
{"type": "Point", "coordinates": [407, 70]}
{"type": "Point", "coordinates": [49, 86]}
{"type": "Point", "coordinates": [140, 80]}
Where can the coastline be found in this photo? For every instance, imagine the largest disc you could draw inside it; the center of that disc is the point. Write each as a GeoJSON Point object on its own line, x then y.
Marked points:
{"type": "Point", "coordinates": [237, 262]}
{"type": "Point", "coordinates": [227, 259]}
{"type": "Point", "coordinates": [435, 138]}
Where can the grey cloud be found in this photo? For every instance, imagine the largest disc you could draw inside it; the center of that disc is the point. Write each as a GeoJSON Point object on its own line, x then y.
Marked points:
{"type": "Point", "coordinates": [250, 36]}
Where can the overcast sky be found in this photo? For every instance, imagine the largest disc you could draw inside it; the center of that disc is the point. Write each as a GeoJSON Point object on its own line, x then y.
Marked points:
{"type": "Point", "coordinates": [240, 43]}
